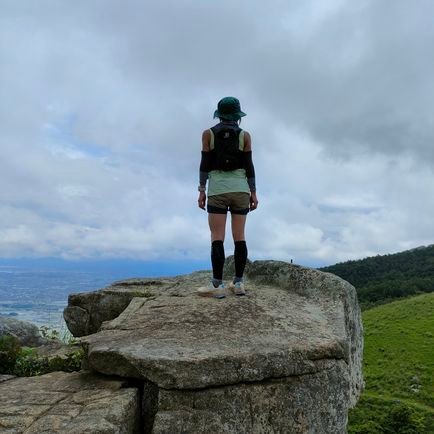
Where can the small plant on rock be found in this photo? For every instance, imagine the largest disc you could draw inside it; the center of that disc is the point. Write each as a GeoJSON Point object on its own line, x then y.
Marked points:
{"type": "Point", "coordinates": [29, 364]}
{"type": "Point", "coordinates": [10, 348]}
{"type": "Point", "coordinates": [71, 362]}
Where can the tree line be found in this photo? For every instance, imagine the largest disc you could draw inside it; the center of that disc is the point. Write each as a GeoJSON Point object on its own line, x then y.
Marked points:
{"type": "Point", "coordinates": [380, 279]}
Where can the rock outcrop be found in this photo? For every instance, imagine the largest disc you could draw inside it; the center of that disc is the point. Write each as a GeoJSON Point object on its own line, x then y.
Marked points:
{"type": "Point", "coordinates": [69, 403]}
{"type": "Point", "coordinates": [27, 333]}
{"type": "Point", "coordinates": [56, 348]}
{"type": "Point", "coordinates": [286, 358]}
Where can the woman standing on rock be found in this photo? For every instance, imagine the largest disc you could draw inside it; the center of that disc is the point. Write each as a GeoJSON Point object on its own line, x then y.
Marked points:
{"type": "Point", "coordinates": [227, 164]}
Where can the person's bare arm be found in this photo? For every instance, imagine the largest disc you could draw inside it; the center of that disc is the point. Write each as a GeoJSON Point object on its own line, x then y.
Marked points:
{"type": "Point", "coordinates": [247, 142]}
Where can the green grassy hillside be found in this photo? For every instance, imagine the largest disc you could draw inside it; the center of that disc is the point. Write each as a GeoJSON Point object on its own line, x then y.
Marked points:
{"type": "Point", "coordinates": [398, 369]}
{"type": "Point", "coordinates": [382, 278]}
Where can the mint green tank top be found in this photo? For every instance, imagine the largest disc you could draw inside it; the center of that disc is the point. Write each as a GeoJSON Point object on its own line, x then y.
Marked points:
{"type": "Point", "coordinates": [232, 181]}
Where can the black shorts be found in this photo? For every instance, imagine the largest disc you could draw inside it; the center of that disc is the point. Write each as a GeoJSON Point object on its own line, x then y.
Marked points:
{"type": "Point", "coordinates": [236, 203]}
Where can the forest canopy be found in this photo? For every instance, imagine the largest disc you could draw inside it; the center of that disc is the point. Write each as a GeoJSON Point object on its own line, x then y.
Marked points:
{"type": "Point", "coordinates": [379, 279]}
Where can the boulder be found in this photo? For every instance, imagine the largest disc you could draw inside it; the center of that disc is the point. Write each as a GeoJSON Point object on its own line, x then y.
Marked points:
{"type": "Point", "coordinates": [312, 403]}
{"type": "Point", "coordinates": [27, 333]}
{"type": "Point", "coordinates": [86, 311]}
{"type": "Point", "coordinates": [285, 358]}
{"type": "Point", "coordinates": [70, 403]}
{"type": "Point", "coordinates": [56, 348]}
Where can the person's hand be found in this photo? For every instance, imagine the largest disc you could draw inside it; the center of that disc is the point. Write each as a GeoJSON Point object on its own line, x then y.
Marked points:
{"type": "Point", "coordinates": [201, 200]}
{"type": "Point", "coordinates": [253, 201]}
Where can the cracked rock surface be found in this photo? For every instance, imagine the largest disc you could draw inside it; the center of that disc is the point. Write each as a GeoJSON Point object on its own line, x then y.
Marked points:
{"type": "Point", "coordinates": [292, 318]}
{"type": "Point", "coordinates": [74, 403]}
{"type": "Point", "coordinates": [289, 354]}
{"type": "Point", "coordinates": [314, 403]}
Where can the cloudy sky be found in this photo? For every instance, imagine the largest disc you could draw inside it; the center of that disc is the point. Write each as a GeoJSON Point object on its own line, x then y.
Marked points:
{"type": "Point", "coordinates": [103, 103]}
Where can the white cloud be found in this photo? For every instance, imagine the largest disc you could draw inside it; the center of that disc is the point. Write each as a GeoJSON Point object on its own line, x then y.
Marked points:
{"type": "Point", "coordinates": [104, 106]}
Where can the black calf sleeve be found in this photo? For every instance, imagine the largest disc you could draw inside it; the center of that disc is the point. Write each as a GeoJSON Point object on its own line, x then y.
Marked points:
{"type": "Point", "coordinates": [217, 259]}
{"type": "Point", "coordinates": [240, 257]}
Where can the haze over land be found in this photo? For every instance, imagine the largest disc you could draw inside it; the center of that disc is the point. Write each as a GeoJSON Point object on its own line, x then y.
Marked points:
{"type": "Point", "coordinates": [103, 104]}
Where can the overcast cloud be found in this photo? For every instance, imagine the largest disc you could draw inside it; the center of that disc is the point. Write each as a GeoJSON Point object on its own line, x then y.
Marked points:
{"type": "Point", "coordinates": [103, 102]}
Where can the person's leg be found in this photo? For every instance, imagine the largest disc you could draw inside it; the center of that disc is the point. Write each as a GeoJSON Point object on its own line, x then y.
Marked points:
{"type": "Point", "coordinates": [239, 207]}
{"type": "Point", "coordinates": [217, 225]}
{"type": "Point", "coordinates": [238, 224]}
{"type": "Point", "coordinates": [240, 252]}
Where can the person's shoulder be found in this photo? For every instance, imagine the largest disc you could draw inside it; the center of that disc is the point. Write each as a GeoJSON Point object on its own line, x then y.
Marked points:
{"type": "Point", "coordinates": [247, 141]}
{"type": "Point", "coordinates": [206, 139]}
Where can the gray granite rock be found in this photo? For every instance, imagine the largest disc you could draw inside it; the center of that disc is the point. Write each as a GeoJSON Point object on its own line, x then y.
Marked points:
{"type": "Point", "coordinates": [56, 348]}
{"type": "Point", "coordinates": [285, 358]}
{"type": "Point", "coordinates": [292, 317]}
{"type": "Point", "coordinates": [60, 356]}
{"type": "Point", "coordinates": [194, 342]}
{"type": "Point", "coordinates": [313, 403]}
{"type": "Point", "coordinates": [27, 333]}
{"type": "Point", "coordinates": [6, 377]}
{"type": "Point", "coordinates": [86, 311]}
{"type": "Point", "coordinates": [73, 403]}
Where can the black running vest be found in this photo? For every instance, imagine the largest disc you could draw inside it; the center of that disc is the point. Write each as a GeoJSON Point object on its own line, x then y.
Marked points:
{"type": "Point", "coordinates": [226, 154]}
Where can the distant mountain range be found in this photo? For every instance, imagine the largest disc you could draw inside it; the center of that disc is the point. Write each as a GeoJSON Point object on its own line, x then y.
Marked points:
{"type": "Point", "coordinates": [380, 279]}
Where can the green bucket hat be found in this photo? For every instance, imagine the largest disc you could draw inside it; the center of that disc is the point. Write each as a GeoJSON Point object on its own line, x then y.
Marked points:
{"type": "Point", "coordinates": [229, 109]}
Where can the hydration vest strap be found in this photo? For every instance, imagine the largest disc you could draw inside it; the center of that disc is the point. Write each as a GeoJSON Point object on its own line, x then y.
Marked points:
{"type": "Point", "coordinates": [211, 142]}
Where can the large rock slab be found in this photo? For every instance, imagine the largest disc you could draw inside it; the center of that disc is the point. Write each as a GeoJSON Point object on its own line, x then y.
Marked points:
{"type": "Point", "coordinates": [193, 342]}
{"type": "Point", "coordinates": [285, 358]}
{"type": "Point", "coordinates": [314, 403]}
{"type": "Point", "coordinates": [292, 318]}
{"type": "Point", "coordinates": [73, 403]}
{"type": "Point", "coordinates": [86, 311]}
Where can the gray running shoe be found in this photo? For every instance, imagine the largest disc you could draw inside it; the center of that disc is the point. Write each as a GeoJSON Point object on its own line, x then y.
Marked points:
{"type": "Point", "coordinates": [238, 288]}
{"type": "Point", "coordinates": [212, 291]}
